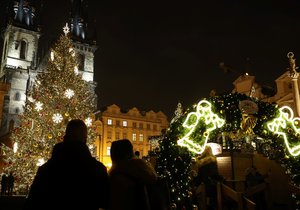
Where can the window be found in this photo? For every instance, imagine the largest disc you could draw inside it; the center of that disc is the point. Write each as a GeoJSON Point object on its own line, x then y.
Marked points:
{"type": "Point", "coordinates": [141, 125]}
{"type": "Point", "coordinates": [148, 126]}
{"type": "Point", "coordinates": [117, 135]}
{"type": "Point", "coordinates": [107, 150]}
{"type": "Point", "coordinates": [141, 137]}
{"type": "Point", "coordinates": [118, 123]}
{"type": "Point", "coordinates": [17, 96]}
{"type": "Point", "coordinates": [124, 135]}
{"type": "Point", "coordinates": [155, 127]}
{"type": "Point", "coordinates": [134, 137]}
{"type": "Point", "coordinates": [134, 124]}
{"type": "Point", "coordinates": [109, 121]}
{"type": "Point", "coordinates": [17, 110]}
{"type": "Point", "coordinates": [108, 134]}
{"type": "Point", "coordinates": [124, 123]}
{"type": "Point", "coordinates": [81, 62]}
{"type": "Point", "coordinates": [23, 49]}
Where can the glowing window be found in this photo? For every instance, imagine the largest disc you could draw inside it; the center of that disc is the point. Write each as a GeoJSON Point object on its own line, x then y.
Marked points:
{"type": "Point", "coordinates": [124, 123]}
{"type": "Point", "coordinates": [109, 121]}
{"type": "Point", "coordinates": [134, 137]}
{"type": "Point", "coordinates": [141, 137]}
{"type": "Point", "coordinates": [107, 150]}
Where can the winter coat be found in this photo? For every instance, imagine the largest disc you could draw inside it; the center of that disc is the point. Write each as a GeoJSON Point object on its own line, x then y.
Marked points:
{"type": "Point", "coordinates": [127, 184]}
{"type": "Point", "coordinates": [70, 179]}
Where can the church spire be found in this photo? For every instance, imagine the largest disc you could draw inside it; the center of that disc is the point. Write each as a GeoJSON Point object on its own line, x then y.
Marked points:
{"type": "Point", "coordinates": [24, 13]}
{"type": "Point", "coordinates": [78, 22]}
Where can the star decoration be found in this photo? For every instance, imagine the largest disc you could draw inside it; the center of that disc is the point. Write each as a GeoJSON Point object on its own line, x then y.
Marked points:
{"type": "Point", "coordinates": [66, 29]}
{"type": "Point", "coordinates": [69, 93]}
{"type": "Point", "coordinates": [88, 121]}
{"type": "Point", "coordinates": [57, 118]}
{"type": "Point", "coordinates": [38, 106]}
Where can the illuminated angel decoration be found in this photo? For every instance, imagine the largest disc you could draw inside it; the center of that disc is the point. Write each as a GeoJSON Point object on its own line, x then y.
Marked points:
{"type": "Point", "coordinates": [212, 121]}
{"type": "Point", "coordinates": [280, 126]}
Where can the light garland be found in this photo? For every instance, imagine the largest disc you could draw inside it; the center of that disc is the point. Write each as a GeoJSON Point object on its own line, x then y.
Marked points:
{"type": "Point", "coordinates": [286, 116]}
{"type": "Point", "coordinates": [203, 112]}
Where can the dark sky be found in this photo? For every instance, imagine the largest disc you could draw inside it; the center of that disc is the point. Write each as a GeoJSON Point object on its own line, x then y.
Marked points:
{"type": "Point", "coordinates": [153, 56]}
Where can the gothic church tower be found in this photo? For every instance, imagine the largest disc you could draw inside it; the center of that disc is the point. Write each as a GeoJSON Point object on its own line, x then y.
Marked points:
{"type": "Point", "coordinates": [19, 56]}
{"type": "Point", "coordinates": [19, 64]}
{"type": "Point", "coordinates": [84, 44]}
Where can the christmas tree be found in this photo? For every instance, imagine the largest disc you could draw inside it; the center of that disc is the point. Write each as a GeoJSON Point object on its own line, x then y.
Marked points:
{"type": "Point", "coordinates": [58, 95]}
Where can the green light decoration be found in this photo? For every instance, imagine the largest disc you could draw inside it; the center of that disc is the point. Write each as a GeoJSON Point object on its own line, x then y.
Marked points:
{"type": "Point", "coordinates": [285, 119]}
{"type": "Point", "coordinates": [203, 113]}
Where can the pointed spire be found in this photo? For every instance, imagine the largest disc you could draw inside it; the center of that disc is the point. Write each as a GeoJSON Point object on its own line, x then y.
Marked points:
{"type": "Point", "coordinates": [78, 23]}
{"type": "Point", "coordinates": [24, 12]}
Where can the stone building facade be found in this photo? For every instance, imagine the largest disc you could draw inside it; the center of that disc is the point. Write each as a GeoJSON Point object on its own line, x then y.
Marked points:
{"type": "Point", "coordinates": [114, 123]}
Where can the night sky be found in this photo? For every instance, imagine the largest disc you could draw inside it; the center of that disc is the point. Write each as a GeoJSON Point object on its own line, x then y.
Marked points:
{"type": "Point", "coordinates": [154, 55]}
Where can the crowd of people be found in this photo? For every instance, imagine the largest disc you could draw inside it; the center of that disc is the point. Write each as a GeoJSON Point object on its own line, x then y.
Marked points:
{"type": "Point", "coordinates": [72, 178]}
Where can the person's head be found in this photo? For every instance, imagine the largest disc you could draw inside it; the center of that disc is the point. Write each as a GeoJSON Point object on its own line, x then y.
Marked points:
{"type": "Point", "coordinates": [207, 152]}
{"type": "Point", "coordinates": [121, 150]}
{"type": "Point", "coordinates": [137, 154]}
{"type": "Point", "coordinates": [76, 131]}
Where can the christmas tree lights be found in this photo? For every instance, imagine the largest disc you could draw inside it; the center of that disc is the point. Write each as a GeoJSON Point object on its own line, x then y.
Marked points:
{"type": "Point", "coordinates": [58, 95]}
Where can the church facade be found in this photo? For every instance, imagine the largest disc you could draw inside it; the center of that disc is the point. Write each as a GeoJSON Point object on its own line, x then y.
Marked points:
{"type": "Point", "coordinates": [20, 63]}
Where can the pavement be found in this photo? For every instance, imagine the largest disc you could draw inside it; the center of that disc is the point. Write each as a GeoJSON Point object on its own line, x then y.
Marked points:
{"type": "Point", "coordinates": [11, 202]}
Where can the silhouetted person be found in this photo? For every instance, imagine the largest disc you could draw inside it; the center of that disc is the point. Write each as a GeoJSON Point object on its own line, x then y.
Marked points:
{"type": "Point", "coordinates": [208, 174]}
{"type": "Point", "coordinates": [10, 183]}
{"type": "Point", "coordinates": [71, 178]}
{"type": "Point", "coordinates": [137, 154]}
{"type": "Point", "coordinates": [3, 184]}
{"type": "Point", "coordinates": [128, 177]}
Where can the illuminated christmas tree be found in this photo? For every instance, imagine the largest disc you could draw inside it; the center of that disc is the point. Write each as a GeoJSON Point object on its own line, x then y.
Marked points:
{"type": "Point", "coordinates": [58, 95]}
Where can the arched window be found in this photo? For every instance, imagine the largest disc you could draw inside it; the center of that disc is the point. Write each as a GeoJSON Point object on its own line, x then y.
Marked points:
{"type": "Point", "coordinates": [17, 96]}
{"type": "Point", "coordinates": [17, 110]}
{"type": "Point", "coordinates": [81, 62]}
{"type": "Point", "coordinates": [23, 49]}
